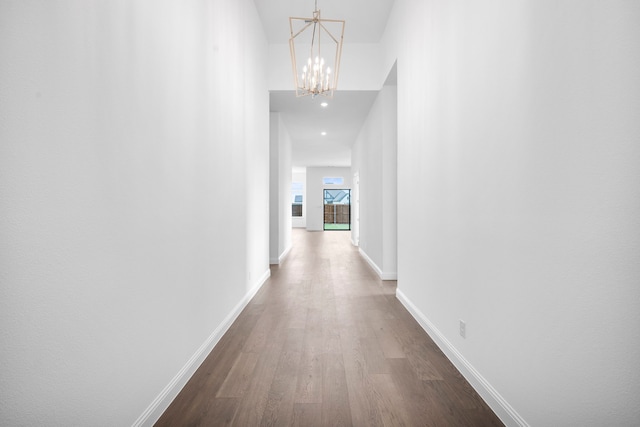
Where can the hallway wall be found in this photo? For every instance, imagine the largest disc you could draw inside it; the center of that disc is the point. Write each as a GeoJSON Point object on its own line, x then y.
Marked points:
{"type": "Point", "coordinates": [374, 158]}
{"type": "Point", "coordinates": [279, 190]}
{"type": "Point", "coordinates": [518, 207]}
{"type": "Point", "coordinates": [134, 199]}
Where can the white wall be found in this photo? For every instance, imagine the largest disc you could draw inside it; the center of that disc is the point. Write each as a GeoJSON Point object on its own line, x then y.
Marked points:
{"type": "Point", "coordinates": [390, 183]}
{"type": "Point", "coordinates": [300, 175]}
{"type": "Point", "coordinates": [518, 207]}
{"type": "Point", "coordinates": [134, 188]}
{"type": "Point", "coordinates": [280, 190]}
{"type": "Point", "coordinates": [315, 192]}
{"type": "Point", "coordinates": [374, 158]}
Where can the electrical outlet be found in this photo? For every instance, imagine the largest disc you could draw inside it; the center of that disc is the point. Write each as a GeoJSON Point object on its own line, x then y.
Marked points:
{"type": "Point", "coordinates": [463, 329]}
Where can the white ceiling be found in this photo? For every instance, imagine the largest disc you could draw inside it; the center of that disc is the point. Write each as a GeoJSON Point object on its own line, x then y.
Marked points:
{"type": "Point", "coordinates": [365, 19]}
{"type": "Point", "coordinates": [306, 119]}
{"type": "Point", "coordinates": [343, 118]}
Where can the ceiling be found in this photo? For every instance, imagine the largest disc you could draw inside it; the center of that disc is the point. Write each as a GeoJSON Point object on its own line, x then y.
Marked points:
{"type": "Point", "coordinates": [305, 119]}
{"type": "Point", "coordinates": [365, 19]}
{"type": "Point", "coordinates": [344, 116]}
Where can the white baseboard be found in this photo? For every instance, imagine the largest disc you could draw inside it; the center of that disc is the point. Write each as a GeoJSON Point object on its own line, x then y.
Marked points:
{"type": "Point", "coordinates": [284, 255]}
{"type": "Point", "coordinates": [389, 276]}
{"type": "Point", "coordinates": [496, 402]}
{"type": "Point", "coordinates": [166, 396]}
{"type": "Point", "coordinates": [281, 258]}
{"type": "Point", "coordinates": [381, 274]}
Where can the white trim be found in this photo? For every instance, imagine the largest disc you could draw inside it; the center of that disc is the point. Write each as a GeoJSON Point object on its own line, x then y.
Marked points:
{"type": "Point", "coordinates": [381, 274]}
{"type": "Point", "coordinates": [389, 276]}
{"type": "Point", "coordinates": [284, 255]}
{"type": "Point", "coordinates": [370, 261]}
{"type": "Point", "coordinates": [281, 258]}
{"type": "Point", "coordinates": [160, 404]}
{"type": "Point", "coordinates": [496, 402]}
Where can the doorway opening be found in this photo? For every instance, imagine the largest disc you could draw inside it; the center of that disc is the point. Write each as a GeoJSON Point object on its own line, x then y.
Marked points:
{"type": "Point", "coordinates": [337, 209]}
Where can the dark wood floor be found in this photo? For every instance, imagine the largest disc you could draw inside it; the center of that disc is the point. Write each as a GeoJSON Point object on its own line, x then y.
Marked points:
{"type": "Point", "coordinates": [326, 343]}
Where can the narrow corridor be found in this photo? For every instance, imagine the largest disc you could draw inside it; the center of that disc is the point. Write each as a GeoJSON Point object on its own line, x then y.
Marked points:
{"type": "Point", "coordinates": [326, 343]}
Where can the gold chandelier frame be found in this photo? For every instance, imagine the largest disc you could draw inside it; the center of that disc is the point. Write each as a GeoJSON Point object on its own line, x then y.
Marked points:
{"type": "Point", "coordinates": [316, 77]}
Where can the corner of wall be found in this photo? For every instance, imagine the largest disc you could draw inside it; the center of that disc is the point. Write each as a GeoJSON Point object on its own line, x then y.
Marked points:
{"type": "Point", "coordinates": [160, 404]}
{"type": "Point", "coordinates": [496, 402]}
{"type": "Point", "coordinates": [282, 257]}
{"type": "Point", "coordinates": [384, 275]}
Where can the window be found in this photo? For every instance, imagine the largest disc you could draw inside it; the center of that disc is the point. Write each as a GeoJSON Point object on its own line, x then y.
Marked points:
{"type": "Point", "coordinates": [337, 180]}
{"type": "Point", "coordinates": [296, 198]}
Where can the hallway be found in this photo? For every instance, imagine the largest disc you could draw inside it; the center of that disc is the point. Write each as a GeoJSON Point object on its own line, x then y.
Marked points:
{"type": "Point", "coordinates": [325, 342]}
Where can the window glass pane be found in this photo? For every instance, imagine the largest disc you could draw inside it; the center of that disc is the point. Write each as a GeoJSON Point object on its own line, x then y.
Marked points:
{"type": "Point", "coordinates": [336, 180]}
{"type": "Point", "coordinates": [337, 197]}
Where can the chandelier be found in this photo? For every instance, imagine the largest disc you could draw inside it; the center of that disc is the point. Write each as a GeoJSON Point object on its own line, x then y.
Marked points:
{"type": "Point", "coordinates": [315, 65]}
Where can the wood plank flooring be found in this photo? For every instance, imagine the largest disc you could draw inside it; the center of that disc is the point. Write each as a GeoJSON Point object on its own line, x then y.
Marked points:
{"type": "Point", "coordinates": [326, 343]}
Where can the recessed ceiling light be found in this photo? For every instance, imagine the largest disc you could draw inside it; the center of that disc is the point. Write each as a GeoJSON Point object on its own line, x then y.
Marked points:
{"type": "Point", "coordinates": [323, 133]}
{"type": "Point", "coordinates": [324, 104]}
